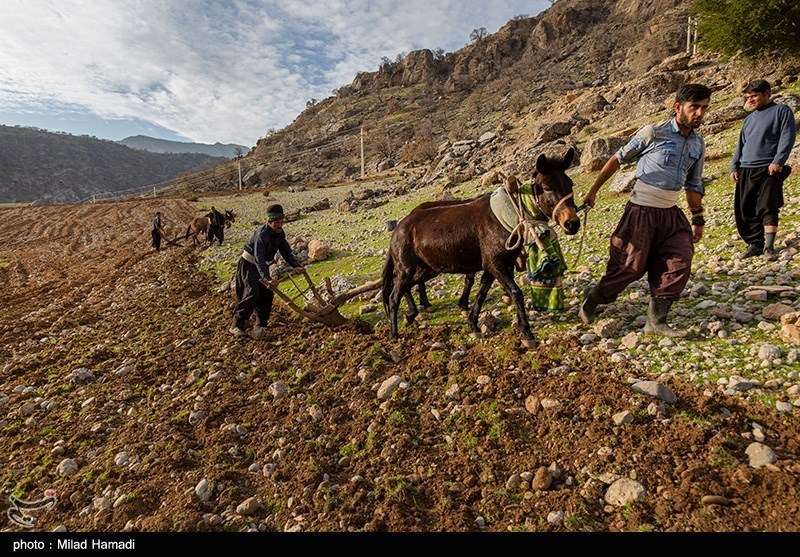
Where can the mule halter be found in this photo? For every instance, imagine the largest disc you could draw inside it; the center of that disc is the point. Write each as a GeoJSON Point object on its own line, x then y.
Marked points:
{"type": "Point", "coordinates": [561, 201]}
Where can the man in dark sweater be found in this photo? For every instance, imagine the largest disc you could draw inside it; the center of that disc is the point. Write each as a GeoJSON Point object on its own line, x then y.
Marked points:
{"type": "Point", "coordinates": [252, 273]}
{"type": "Point", "coordinates": [759, 169]}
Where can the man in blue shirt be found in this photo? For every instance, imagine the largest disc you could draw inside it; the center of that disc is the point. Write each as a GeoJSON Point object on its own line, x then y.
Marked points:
{"type": "Point", "coordinates": [759, 169]}
{"type": "Point", "coordinates": [654, 236]}
{"type": "Point", "coordinates": [252, 273]}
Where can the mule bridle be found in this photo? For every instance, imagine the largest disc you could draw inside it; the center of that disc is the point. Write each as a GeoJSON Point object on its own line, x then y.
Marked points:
{"type": "Point", "coordinates": [551, 216]}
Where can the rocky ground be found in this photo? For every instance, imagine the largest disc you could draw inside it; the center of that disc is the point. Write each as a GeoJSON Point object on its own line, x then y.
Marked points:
{"type": "Point", "coordinates": [121, 390]}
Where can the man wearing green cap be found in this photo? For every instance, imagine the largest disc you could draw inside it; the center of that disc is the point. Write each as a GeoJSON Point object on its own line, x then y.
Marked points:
{"type": "Point", "coordinates": [252, 273]}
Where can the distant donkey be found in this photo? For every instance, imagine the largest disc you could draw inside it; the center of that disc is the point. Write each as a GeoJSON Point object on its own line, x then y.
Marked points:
{"type": "Point", "coordinates": [199, 225]}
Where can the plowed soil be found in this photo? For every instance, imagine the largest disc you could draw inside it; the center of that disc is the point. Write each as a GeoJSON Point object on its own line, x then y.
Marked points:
{"type": "Point", "coordinates": [481, 435]}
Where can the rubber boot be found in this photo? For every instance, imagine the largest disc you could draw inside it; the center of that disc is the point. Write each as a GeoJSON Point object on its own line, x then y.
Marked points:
{"type": "Point", "coordinates": [657, 319]}
{"type": "Point", "coordinates": [591, 298]}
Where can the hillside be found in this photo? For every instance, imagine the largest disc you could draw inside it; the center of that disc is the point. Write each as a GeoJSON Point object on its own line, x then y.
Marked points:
{"type": "Point", "coordinates": [578, 70]}
{"type": "Point", "coordinates": [580, 57]}
{"type": "Point", "coordinates": [154, 145]}
{"type": "Point", "coordinates": [45, 167]}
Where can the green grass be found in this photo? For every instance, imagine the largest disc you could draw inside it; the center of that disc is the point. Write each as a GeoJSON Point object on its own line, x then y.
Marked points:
{"type": "Point", "coordinates": [358, 242]}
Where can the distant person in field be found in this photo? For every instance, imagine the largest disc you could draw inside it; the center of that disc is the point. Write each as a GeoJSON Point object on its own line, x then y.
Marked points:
{"type": "Point", "coordinates": [216, 225]}
{"type": "Point", "coordinates": [759, 169]}
{"type": "Point", "coordinates": [252, 273]}
{"type": "Point", "coordinates": [654, 236]}
{"type": "Point", "coordinates": [158, 231]}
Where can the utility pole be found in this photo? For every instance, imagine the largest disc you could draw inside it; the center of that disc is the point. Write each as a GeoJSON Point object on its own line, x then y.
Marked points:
{"type": "Point", "coordinates": [239, 163]}
{"type": "Point", "coordinates": [362, 152]}
{"type": "Point", "coordinates": [691, 36]}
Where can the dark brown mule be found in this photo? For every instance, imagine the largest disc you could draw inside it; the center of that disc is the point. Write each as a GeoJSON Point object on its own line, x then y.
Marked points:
{"type": "Point", "coordinates": [511, 185]}
{"type": "Point", "coordinates": [199, 225]}
{"type": "Point", "coordinates": [464, 238]}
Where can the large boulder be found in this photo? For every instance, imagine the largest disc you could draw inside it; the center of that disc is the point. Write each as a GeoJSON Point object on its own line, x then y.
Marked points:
{"type": "Point", "coordinates": [318, 250]}
{"type": "Point", "coordinates": [623, 182]}
{"type": "Point", "coordinates": [790, 332]}
{"type": "Point", "coordinates": [598, 150]}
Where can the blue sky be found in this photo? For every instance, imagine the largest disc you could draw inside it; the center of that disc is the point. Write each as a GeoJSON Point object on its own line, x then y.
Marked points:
{"type": "Point", "coordinates": [209, 70]}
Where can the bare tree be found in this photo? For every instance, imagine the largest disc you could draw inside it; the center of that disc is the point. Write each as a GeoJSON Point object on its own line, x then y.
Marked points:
{"type": "Point", "coordinates": [477, 34]}
{"type": "Point", "coordinates": [311, 102]}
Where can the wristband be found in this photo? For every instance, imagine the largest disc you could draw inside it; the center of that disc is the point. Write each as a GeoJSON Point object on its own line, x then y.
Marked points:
{"type": "Point", "coordinates": [698, 221]}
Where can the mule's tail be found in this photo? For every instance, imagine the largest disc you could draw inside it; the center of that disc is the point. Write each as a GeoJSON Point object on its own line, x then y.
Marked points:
{"type": "Point", "coordinates": [388, 281]}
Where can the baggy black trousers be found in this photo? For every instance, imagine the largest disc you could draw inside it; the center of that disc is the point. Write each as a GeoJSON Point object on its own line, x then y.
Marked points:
{"type": "Point", "coordinates": [757, 201]}
{"type": "Point", "coordinates": [156, 239]}
{"type": "Point", "coordinates": [251, 296]}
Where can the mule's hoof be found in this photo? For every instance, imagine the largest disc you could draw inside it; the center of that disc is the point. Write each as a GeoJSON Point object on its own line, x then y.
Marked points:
{"type": "Point", "coordinates": [528, 343]}
{"type": "Point", "coordinates": [408, 320]}
{"type": "Point", "coordinates": [476, 335]}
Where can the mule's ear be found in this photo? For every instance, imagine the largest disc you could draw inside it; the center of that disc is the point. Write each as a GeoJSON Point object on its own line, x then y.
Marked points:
{"type": "Point", "coordinates": [542, 164]}
{"type": "Point", "coordinates": [568, 158]}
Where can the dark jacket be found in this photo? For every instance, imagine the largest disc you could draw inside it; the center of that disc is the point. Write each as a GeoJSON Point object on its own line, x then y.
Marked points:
{"type": "Point", "coordinates": [215, 218]}
{"type": "Point", "coordinates": [263, 246]}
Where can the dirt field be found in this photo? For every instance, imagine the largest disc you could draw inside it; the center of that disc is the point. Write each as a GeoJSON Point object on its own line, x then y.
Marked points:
{"type": "Point", "coordinates": [479, 436]}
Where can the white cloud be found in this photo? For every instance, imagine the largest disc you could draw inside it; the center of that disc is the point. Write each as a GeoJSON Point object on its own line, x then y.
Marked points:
{"type": "Point", "coordinates": [215, 70]}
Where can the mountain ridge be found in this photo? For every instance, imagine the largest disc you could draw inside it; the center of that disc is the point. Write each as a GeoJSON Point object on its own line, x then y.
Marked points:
{"type": "Point", "coordinates": [156, 145]}
{"type": "Point", "coordinates": [46, 167]}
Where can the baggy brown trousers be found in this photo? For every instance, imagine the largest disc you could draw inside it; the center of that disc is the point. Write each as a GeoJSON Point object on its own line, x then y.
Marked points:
{"type": "Point", "coordinates": [653, 241]}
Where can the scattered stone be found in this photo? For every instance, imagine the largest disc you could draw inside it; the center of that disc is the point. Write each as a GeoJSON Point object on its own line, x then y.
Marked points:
{"type": "Point", "coordinates": [760, 455]}
{"type": "Point", "coordinates": [248, 506]}
{"type": "Point", "coordinates": [278, 390]}
{"type": "Point", "coordinates": [121, 459]}
{"type": "Point", "coordinates": [389, 386]}
{"type": "Point", "coordinates": [631, 340]}
{"type": "Point", "coordinates": [66, 467]}
{"type": "Point", "coordinates": [655, 389]}
{"type": "Point", "coordinates": [738, 383]}
{"type": "Point", "coordinates": [624, 417]}
{"type": "Point", "coordinates": [532, 404]}
{"type": "Point", "coordinates": [555, 517]}
{"type": "Point", "coordinates": [513, 482]}
{"type": "Point", "coordinates": [624, 491]}
{"type": "Point", "coordinates": [542, 480]}
{"type": "Point", "coordinates": [204, 489]}
{"type": "Point", "coordinates": [315, 412]}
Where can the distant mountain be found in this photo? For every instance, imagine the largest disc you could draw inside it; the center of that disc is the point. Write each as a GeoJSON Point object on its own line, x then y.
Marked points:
{"type": "Point", "coordinates": [153, 145]}
{"type": "Point", "coordinates": [46, 167]}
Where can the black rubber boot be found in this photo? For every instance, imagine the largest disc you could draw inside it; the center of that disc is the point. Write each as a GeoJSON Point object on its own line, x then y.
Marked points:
{"type": "Point", "coordinates": [591, 298]}
{"type": "Point", "coordinates": [657, 319]}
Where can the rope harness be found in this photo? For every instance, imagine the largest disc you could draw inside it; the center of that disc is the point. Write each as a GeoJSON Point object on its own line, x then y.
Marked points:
{"type": "Point", "coordinates": [526, 225]}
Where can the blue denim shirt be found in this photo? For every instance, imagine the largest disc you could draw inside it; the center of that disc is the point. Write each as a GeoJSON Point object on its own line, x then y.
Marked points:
{"type": "Point", "coordinates": [667, 159]}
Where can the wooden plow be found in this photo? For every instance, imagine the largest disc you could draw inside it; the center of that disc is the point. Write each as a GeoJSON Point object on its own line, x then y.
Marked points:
{"type": "Point", "coordinates": [313, 306]}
